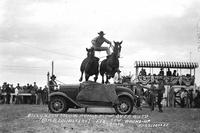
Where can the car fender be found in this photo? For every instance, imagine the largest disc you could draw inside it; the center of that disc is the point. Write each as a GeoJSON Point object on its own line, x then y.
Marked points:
{"type": "Point", "coordinates": [65, 96]}
{"type": "Point", "coordinates": [127, 95]}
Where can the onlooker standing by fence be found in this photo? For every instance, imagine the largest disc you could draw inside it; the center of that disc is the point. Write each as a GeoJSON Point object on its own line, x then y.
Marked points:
{"type": "Point", "coordinates": [8, 94]}
{"type": "Point", "coordinates": [12, 91]}
{"type": "Point", "coordinates": [1, 97]}
{"type": "Point", "coordinates": [39, 93]}
{"type": "Point", "coordinates": [45, 95]}
{"type": "Point", "coordinates": [3, 91]}
{"type": "Point", "coordinates": [26, 89]}
{"type": "Point", "coordinates": [19, 90]}
{"type": "Point", "coordinates": [16, 101]}
{"type": "Point", "coordinates": [33, 93]}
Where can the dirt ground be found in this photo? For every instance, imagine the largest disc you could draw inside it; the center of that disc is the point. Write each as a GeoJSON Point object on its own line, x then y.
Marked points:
{"type": "Point", "coordinates": [37, 119]}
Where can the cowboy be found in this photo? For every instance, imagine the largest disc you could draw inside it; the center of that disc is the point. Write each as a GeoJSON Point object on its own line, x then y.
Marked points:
{"type": "Point", "coordinates": [52, 83]}
{"type": "Point", "coordinates": [98, 41]}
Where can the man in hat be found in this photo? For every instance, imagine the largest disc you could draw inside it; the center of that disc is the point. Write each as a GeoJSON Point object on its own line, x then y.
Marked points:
{"type": "Point", "coordinates": [152, 96]}
{"type": "Point", "coordinates": [161, 73]}
{"type": "Point", "coordinates": [8, 93]}
{"type": "Point", "coordinates": [52, 83]}
{"type": "Point", "coordinates": [98, 41]}
{"type": "Point", "coordinates": [139, 90]}
{"type": "Point", "coordinates": [161, 90]}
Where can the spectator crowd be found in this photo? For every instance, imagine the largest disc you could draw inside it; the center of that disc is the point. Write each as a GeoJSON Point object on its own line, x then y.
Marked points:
{"type": "Point", "coordinates": [168, 73]}
{"type": "Point", "coordinates": [26, 94]}
{"type": "Point", "coordinates": [189, 98]}
{"type": "Point", "coordinates": [32, 94]}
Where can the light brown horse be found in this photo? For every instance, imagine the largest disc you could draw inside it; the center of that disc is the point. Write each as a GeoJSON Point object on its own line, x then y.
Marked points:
{"type": "Point", "coordinates": [90, 66]}
{"type": "Point", "coordinates": [110, 65]}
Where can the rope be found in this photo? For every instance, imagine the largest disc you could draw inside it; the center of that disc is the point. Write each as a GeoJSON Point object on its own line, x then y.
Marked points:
{"type": "Point", "coordinates": [60, 81]}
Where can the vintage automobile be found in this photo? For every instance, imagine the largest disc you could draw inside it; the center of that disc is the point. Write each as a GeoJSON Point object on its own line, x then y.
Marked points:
{"type": "Point", "coordinates": [67, 97]}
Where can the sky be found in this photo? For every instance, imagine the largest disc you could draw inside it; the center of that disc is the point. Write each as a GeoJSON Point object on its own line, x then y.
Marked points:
{"type": "Point", "coordinates": [33, 33]}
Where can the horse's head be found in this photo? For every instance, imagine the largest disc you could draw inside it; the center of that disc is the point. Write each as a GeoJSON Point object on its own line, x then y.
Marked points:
{"type": "Point", "coordinates": [90, 52]}
{"type": "Point", "coordinates": [117, 48]}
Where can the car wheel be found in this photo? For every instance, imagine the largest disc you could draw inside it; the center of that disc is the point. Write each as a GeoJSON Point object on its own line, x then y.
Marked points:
{"type": "Point", "coordinates": [57, 104]}
{"type": "Point", "coordinates": [125, 106]}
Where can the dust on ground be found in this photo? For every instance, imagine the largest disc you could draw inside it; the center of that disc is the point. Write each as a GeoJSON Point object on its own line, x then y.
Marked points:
{"type": "Point", "coordinates": [37, 119]}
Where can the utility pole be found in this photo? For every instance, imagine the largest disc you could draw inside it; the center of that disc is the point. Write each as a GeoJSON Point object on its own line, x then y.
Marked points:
{"type": "Point", "coordinates": [47, 78]}
{"type": "Point", "coordinates": [198, 34]}
{"type": "Point", "coordinates": [48, 91]}
{"type": "Point", "coordinates": [52, 68]}
{"type": "Point", "coordinates": [190, 61]}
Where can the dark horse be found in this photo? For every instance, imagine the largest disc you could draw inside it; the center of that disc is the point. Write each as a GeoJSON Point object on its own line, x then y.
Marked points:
{"type": "Point", "coordinates": [110, 65]}
{"type": "Point", "coordinates": [90, 66]}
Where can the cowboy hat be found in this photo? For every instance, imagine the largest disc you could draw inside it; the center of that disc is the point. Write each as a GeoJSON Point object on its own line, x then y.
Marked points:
{"type": "Point", "coordinates": [101, 33]}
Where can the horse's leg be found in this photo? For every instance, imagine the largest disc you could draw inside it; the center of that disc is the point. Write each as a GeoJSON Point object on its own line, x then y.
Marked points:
{"type": "Point", "coordinates": [81, 78]}
{"type": "Point", "coordinates": [107, 78]}
{"type": "Point", "coordinates": [86, 76]}
{"type": "Point", "coordinates": [96, 72]}
{"type": "Point", "coordinates": [82, 69]}
{"type": "Point", "coordinates": [96, 77]}
{"type": "Point", "coordinates": [102, 75]}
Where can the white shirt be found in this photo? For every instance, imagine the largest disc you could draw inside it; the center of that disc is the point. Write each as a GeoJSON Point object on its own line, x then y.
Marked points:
{"type": "Point", "coordinates": [16, 91]}
{"type": "Point", "coordinates": [117, 78]}
{"type": "Point", "coordinates": [98, 41]}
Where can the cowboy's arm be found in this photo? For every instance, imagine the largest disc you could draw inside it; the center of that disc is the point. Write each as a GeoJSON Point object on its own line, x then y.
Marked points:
{"type": "Point", "coordinates": [107, 41]}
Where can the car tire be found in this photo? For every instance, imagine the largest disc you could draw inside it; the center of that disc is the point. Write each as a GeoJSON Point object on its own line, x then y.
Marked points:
{"type": "Point", "coordinates": [57, 104]}
{"type": "Point", "coordinates": [125, 106]}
